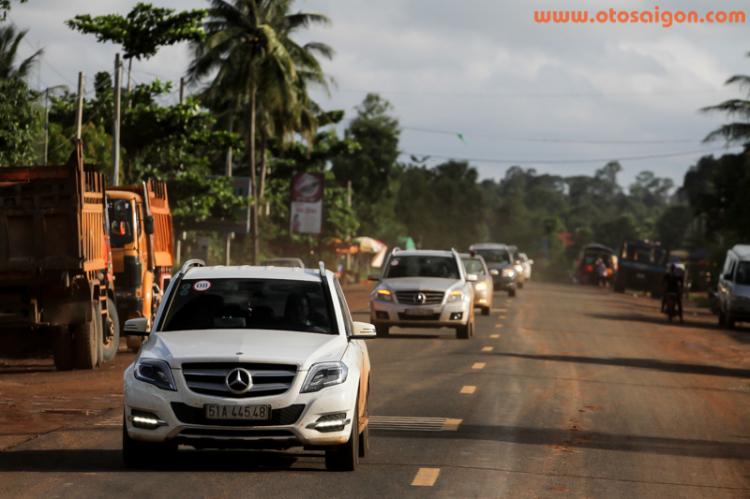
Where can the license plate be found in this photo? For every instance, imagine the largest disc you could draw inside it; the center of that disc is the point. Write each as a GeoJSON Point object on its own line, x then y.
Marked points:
{"type": "Point", "coordinates": [241, 412]}
{"type": "Point", "coordinates": [640, 275]}
{"type": "Point", "coordinates": [419, 311]}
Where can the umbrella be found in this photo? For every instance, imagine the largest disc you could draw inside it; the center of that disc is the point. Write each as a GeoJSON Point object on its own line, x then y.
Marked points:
{"type": "Point", "coordinates": [369, 245]}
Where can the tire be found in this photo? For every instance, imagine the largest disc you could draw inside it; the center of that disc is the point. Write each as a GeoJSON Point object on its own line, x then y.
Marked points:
{"type": "Point", "coordinates": [730, 322]}
{"type": "Point", "coordinates": [512, 293]}
{"type": "Point", "coordinates": [140, 455]}
{"type": "Point", "coordinates": [486, 310]}
{"type": "Point", "coordinates": [86, 340]}
{"type": "Point", "coordinates": [467, 331]}
{"type": "Point", "coordinates": [110, 332]}
{"type": "Point", "coordinates": [382, 331]}
{"type": "Point", "coordinates": [520, 285]}
{"type": "Point", "coordinates": [62, 348]}
{"type": "Point", "coordinates": [346, 457]}
{"type": "Point", "coordinates": [364, 437]}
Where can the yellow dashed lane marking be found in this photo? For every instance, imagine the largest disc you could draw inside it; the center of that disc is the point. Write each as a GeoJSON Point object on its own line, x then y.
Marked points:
{"type": "Point", "coordinates": [498, 325]}
{"type": "Point", "coordinates": [488, 349]}
{"type": "Point", "coordinates": [478, 365]}
{"type": "Point", "coordinates": [501, 317]}
{"type": "Point", "coordinates": [494, 336]}
{"type": "Point", "coordinates": [451, 424]}
{"type": "Point", "coordinates": [426, 477]}
{"type": "Point", "coordinates": [502, 309]}
{"type": "Point", "coordinates": [468, 389]}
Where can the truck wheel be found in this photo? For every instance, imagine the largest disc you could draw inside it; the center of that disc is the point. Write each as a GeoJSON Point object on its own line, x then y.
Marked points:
{"type": "Point", "coordinates": [62, 348]}
{"type": "Point", "coordinates": [486, 310]}
{"type": "Point", "coordinates": [110, 332]}
{"type": "Point", "coordinates": [512, 293]}
{"type": "Point", "coordinates": [467, 331]}
{"type": "Point", "coordinates": [85, 340]}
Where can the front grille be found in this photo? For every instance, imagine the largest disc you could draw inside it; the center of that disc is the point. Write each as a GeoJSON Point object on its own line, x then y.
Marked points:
{"type": "Point", "coordinates": [197, 415]}
{"type": "Point", "coordinates": [212, 433]}
{"type": "Point", "coordinates": [410, 297]}
{"type": "Point", "coordinates": [407, 317]}
{"type": "Point", "coordinates": [209, 378]}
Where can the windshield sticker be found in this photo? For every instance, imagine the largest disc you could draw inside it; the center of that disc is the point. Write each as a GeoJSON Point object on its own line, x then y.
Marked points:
{"type": "Point", "coordinates": [394, 263]}
{"type": "Point", "coordinates": [202, 286]}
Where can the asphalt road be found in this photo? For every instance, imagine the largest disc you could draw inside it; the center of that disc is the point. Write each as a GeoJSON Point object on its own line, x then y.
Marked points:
{"type": "Point", "coordinates": [564, 392]}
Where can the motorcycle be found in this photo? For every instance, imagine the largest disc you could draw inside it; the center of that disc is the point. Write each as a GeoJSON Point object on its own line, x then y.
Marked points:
{"type": "Point", "coordinates": [671, 305]}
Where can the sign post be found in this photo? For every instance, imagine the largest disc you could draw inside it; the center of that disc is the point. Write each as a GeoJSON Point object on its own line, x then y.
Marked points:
{"type": "Point", "coordinates": [306, 214]}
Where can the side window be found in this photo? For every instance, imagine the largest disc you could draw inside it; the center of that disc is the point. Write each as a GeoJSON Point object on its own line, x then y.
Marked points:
{"type": "Point", "coordinates": [728, 266]}
{"type": "Point", "coordinates": [348, 323]}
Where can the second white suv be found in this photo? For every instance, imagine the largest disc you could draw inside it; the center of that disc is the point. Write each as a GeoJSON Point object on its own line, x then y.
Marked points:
{"type": "Point", "coordinates": [250, 357]}
{"type": "Point", "coordinates": [424, 289]}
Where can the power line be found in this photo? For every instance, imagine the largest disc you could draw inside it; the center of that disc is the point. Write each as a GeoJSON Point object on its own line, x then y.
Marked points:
{"type": "Point", "coordinates": [539, 95]}
{"type": "Point", "coordinates": [562, 161]}
{"type": "Point", "coordinates": [561, 141]}
{"type": "Point", "coordinates": [42, 57]}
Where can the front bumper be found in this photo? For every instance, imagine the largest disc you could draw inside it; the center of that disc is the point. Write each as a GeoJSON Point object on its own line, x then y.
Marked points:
{"type": "Point", "coordinates": [182, 419]}
{"type": "Point", "coordinates": [395, 314]}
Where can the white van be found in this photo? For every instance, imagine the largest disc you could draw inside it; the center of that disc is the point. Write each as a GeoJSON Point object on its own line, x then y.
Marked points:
{"type": "Point", "coordinates": [733, 292]}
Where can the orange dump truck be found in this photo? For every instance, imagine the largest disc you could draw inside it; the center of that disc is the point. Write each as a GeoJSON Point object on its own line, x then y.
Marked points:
{"type": "Point", "coordinates": [55, 264]}
{"type": "Point", "coordinates": [142, 248]}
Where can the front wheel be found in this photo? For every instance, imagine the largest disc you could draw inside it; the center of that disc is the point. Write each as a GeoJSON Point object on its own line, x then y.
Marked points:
{"type": "Point", "coordinates": [86, 339]}
{"type": "Point", "coordinates": [111, 332]}
{"type": "Point", "coordinates": [62, 348]}
{"type": "Point", "coordinates": [467, 331]}
{"type": "Point", "coordinates": [364, 437]}
{"type": "Point", "coordinates": [512, 293]}
{"type": "Point", "coordinates": [486, 310]}
{"type": "Point", "coordinates": [520, 285]}
{"type": "Point", "coordinates": [346, 457]}
{"type": "Point", "coordinates": [137, 454]}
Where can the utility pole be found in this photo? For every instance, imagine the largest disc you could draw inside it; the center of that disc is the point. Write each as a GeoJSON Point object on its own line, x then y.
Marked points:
{"type": "Point", "coordinates": [182, 90]}
{"type": "Point", "coordinates": [79, 110]}
{"type": "Point", "coordinates": [349, 204]}
{"type": "Point", "coordinates": [228, 168]}
{"type": "Point", "coordinates": [46, 126]}
{"type": "Point", "coordinates": [116, 131]}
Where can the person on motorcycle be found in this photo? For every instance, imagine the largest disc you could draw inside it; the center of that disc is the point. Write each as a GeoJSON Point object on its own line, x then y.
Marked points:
{"type": "Point", "coordinates": [673, 283]}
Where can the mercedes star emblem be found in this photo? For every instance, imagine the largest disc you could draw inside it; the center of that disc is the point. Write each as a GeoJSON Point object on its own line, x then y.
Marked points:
{"type": "Point", "coordinates": [239, 381]}
{"type": "Point", "coordinates": [420, 298]}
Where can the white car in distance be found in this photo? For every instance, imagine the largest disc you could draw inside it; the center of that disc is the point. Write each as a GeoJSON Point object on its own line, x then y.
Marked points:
{"type": "Point", "coordinates": [249, 357]}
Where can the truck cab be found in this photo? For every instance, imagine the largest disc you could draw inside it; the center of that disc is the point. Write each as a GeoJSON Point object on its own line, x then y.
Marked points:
{"type": "Point", "coordinates": [141, 239]}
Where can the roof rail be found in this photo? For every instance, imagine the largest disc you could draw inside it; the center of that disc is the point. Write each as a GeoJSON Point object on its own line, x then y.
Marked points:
{"type": "Point", "coordinates": [192, 263]}
{"type": "Point", "coordinates": [322, 267]}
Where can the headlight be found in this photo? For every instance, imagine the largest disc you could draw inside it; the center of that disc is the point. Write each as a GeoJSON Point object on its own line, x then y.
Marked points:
{"type": "Point", "coordinates": [156, 372]}
{"type": "Point", "coordinates": [455, 296]}
{"type": "Point", "coordinates": [323, 375]}
{"type": "Point", "coordinates": [509, 272]}
{"type": "Point", "coordinates": [519, 268]}
{"type": "Point", "coordinates": [481, 286]}
{"type": "Point", "coordinates": [384, 295]}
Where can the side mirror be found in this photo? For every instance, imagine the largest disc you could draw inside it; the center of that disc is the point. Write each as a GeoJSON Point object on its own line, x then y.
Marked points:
{"type": "Point", "coordinates": [531, 262]}
{"type": "Point", "coordinates": [472, 277]}
{"type": "Point", "coordinates": [138, 327]}
{"type": "Point", "coordinates": [727, 277]}
{"type": "Point", "coordinates": [148, 225]}
{"type": "Point", "coordinates": [363, 330]}
{"type": "Point", "coordinates": [494, 272]}
{"type": "Point", "coordinates": [373, 277]}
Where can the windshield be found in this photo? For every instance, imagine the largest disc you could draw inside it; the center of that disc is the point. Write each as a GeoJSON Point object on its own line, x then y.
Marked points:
{"type": "Point", "coordinates": [120, 222]}
{"type": "Point", "coordinates": [473, 266]}
{"type": "Point", "coordinates": [495, 255]}
{"type": "Point", "coordinates": [422, 266]}
{"type": "Point", "coordinates": [743, 274]}
{"type": "Point", "coordinates": [248, 304]}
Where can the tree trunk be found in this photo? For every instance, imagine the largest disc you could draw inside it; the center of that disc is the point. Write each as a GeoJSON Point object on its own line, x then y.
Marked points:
{"type": "Point", "coordinates": [228, 168]}
{"type": "Point", "coordinates": [263, 163]}
{"type": "Point", "coordinates": [251, 147]}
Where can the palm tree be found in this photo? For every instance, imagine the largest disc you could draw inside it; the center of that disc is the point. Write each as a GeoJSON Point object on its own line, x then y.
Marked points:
{"type": "Point", "coordinates": [737, 131]}
{"type": "Point", "coordinates": [255, 62]}
{"type": "Point", "coordinates": [10, 37]}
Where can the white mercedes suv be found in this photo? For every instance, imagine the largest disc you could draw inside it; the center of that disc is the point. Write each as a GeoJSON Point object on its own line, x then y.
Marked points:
{"type": "Point", "coordinates": [249, 357]}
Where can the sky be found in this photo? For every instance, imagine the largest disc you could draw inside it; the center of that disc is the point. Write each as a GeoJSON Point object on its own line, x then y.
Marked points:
{"type": "Point", "coordinates": [563, 99]}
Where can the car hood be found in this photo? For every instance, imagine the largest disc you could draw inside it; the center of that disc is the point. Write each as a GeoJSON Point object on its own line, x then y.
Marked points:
{"type": "Point", "coordinates": [235, 345]}
{"type": "Point", "coordinates": [420, 284]}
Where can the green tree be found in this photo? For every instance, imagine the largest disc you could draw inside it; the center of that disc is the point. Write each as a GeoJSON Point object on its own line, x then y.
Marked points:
{"type": "Point", "coordinates": [5, 5]}
{"type": "Point", "coordinates": [18, 119]}
{"type": "Point", "coordinates": [737, 131]}
{"type": "Point", "coordinates": [673, 224]}
{"type": "Point", "coordinates": [143, 31]}
{"type": "Point", "coordinates": [10, 38]}
{"type": "Point", "coordinates": [248, 49]}
{"type": "Point", "coordinates": [373, 169]}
